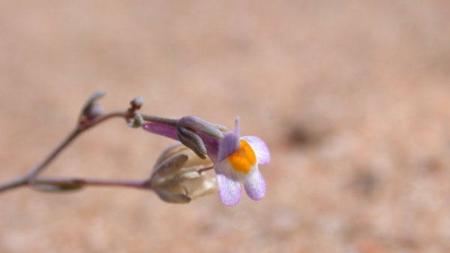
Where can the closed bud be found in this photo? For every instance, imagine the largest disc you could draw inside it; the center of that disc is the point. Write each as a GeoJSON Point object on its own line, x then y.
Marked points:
{"type": "Point", "coordinates": [136, 121]}
{"type": "Point", "coordinates": [137, 103]}
{"type": "Point", "coordinates": [91, 110]}
{"type": "Point", "coordinates": [180, 176]}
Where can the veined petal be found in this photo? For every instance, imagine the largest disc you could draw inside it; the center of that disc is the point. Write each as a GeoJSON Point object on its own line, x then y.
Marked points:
{"type": "Point", "coordinates": [230, 190]}
{"type": "Point", "coordinates": [260, 148]}
{"type": "Point", "coordinates": [227, 145]}
{"type": "Point", "coordinates": [161, 129]}
{"type": "Point", "coordinates": [254, 185]}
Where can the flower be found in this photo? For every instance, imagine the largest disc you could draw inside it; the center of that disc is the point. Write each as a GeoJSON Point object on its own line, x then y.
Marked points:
{"type": "Point", "coordinates": [236, 159]}
{"type": "Point", "coordinates": [180, 176]}
{"type": "Point", "coordinates": [237, 163]}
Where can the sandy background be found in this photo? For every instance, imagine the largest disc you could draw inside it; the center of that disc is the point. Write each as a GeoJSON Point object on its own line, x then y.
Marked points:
{"type": "Point", "coordinates": [353, 99]}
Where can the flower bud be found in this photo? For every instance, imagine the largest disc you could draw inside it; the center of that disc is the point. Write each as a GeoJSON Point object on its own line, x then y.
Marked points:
{"type": "Point", "coordinates": [137, 103]}
{"type": "Point", "coordinates": [180, 176]}
{"type": "Point", "coordinates": [136, 121]}
{"type": "Point", "coordinates": [91, 110]}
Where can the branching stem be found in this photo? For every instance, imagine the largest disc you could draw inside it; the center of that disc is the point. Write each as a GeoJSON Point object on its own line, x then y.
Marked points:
{"type": "Point", "coordinates": [32, 176]}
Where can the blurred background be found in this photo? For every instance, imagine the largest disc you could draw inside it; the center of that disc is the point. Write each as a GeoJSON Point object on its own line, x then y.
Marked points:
{"type": "Point", "coordinates": [352, 97]}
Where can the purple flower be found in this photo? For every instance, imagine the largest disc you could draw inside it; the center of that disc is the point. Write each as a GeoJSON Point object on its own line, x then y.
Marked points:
{"type": "Point", "coordinates": [236, 159]}
{"type": "Point", "coordinates": [237, 163]}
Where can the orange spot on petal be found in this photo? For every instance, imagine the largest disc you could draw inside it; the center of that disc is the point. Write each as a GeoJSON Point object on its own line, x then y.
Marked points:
{"type": "Point", "coordinates": [244, 158]}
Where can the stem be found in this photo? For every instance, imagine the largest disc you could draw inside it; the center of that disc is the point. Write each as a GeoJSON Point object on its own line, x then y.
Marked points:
{"type": "Point", "coordinates": [50, 157]}
{"type": "Point", "coordinates": [32, 175]}
{"type": "Point", "coordinates": [36, 170]}
{"type": "Point", "coordinates": [136, 184]}
{"type": "Point", "coordinates": [14, 184]}
{"type": "Point", "coordinates": [68, 140]}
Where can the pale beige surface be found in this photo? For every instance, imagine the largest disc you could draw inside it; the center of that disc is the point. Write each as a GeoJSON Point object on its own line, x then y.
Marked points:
{"type": "Point", "coordinates": [353, 99]}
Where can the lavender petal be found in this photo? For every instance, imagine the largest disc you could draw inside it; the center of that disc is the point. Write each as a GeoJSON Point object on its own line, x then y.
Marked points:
{"type": "Point", "coordinates": [254, 185]}
{"type": "Point", "coordinates": [227, 145]}
{"type": "Point", "coordinates": [230, 190]}
{"type": "Point", "coordinates": [260, 148]}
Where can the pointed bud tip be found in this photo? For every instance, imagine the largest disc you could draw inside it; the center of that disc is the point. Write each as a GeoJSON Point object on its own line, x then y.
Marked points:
{"type": "Point", "coordinates": [137, 102]}
{"type": "Point", "coordinates": [97, 94]}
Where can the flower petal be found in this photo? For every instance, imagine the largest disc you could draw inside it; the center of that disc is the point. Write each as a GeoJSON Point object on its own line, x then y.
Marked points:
{"type": "Point", "coordinates": [230, 190]}
{"type": "Point", "coordinates": [161, 129]}
{"type": "Point", "coordinates": [254, 185]}
{"type": "Point", "coordinates": [227, 145]}
{"type": "Point", "coordinates": [260, 148]}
